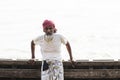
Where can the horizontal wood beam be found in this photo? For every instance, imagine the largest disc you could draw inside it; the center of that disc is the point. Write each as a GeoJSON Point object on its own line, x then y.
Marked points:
{"type": "Point", "coordinates": [86, 69]}
{"type": "Point", "coordinates": [72, 73]}
{"type": "Point", "coordinates": [96, 73]}
{"type": "Point", "coordinates": [19, 73]}
{"type": "Point", "coordinates": [66, 63]}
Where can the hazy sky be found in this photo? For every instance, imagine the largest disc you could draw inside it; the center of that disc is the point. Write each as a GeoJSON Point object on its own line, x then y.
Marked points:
{"type": "Point", "coordinates": [91, 26]}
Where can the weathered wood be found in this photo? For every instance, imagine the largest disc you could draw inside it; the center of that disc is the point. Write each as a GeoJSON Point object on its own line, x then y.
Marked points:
{"type": "Point", "coordinates": [94, 65]}
{"type": "Point", "coordinates": [73, 73]}
{"type": "Point", "coordinates": [20, 73]}
{"type": "Point", "coordinates": [20, 64]}
{"type": "Point", "coordinates": [67, 64]}
{"type": "Point", "coordinates": [17, 62]}
{"type": "Point", "coordinates": [97, 73]}
{"type": "Point", "coordinates": [14, 69]}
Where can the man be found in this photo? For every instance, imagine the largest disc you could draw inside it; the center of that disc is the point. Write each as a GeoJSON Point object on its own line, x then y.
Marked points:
{"type": "Point", "coordinates": [50, 44]}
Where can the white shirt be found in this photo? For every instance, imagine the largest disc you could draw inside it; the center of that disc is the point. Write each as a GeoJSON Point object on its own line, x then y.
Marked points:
{"type": "Point", "coordinates": [51, 49]}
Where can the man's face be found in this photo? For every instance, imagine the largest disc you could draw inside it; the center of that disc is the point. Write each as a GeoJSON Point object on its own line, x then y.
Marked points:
{"type": "Point", "coordinates": [49, 30]}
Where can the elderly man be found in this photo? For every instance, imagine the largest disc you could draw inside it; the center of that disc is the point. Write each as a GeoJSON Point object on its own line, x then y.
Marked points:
{"type": "Point", "coordinates": [50, 43]}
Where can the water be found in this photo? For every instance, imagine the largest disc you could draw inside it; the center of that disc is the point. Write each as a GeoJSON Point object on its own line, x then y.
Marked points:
{"type": "Point", "coordinates": [92, 27]}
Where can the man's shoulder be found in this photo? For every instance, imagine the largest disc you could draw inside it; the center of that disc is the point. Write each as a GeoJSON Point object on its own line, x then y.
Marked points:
{"type": "Point", "coordinates": [57, 34]}
{"type": "Point", "coordinates": [39, 37]}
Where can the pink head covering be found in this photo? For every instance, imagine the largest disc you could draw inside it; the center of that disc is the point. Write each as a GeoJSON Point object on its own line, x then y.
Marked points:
{"type": "Point", "coordinates": [48, 23]}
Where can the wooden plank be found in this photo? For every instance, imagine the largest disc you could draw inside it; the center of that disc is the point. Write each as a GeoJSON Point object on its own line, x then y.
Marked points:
{"type": "Point", "coordinates": [97, 73]}
{"type": "Point", "coordinates": [66, 63]}
{"type": "Point", "coordinates": [20, 64]}
{"type": "Point", "coordinates": [19, 73]}
{"type": "Point", "coordinates": [84, 69]}
{"type": "Point", "coordinates": [69, 73]}
{"type": "Point", "coordinates": [15, 62]}
{"type": "Point", "coordinates": [80, 64]}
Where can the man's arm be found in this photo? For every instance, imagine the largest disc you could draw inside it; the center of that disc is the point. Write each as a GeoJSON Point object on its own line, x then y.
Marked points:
{"type": "Point", "coordinates": [32, 49]}
{"type": "Point", "coordinates": [69, 50]}
{"type": "Point", "coordinates": [70, 54]}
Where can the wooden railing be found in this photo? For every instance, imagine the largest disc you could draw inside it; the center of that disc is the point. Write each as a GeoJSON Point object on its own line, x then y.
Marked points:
{"type": "Point", "coordinates": [84, 70]}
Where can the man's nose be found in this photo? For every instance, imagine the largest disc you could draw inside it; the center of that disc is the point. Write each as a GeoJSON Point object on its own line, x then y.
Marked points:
{"type": "Point", "coordinates": [48, 30]}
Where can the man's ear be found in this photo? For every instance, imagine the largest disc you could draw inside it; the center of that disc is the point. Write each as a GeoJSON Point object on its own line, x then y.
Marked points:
{"type": "Point", "coordinates": [55, 30]}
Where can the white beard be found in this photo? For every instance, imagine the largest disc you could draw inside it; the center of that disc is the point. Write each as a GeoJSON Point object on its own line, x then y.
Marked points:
{"type": "Point", "coordinates": [48, 38]}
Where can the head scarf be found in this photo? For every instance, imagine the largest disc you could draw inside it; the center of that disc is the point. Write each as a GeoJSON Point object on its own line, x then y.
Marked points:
{"type": "Point", "coordinates": [48, 23]}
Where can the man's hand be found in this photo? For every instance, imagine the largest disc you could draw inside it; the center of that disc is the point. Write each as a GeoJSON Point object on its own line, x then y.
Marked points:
{"type": "Point", "coordinates": [31, 61]}
{"type": "Point", "coordinates": [72, 63]}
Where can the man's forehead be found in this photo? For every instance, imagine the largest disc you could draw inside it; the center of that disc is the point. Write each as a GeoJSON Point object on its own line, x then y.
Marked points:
{"type": "Point", "coordinates": [49, 27]}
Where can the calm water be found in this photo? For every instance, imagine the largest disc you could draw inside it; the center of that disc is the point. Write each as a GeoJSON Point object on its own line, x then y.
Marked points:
{"type": "Point", "coordinates": [16, 44]}
{"type": "Point", "coordinates": [92, 27]}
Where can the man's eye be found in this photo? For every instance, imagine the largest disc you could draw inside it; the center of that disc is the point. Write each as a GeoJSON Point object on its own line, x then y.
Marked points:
{"type": "Point", "coordinates": [48, 28]}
